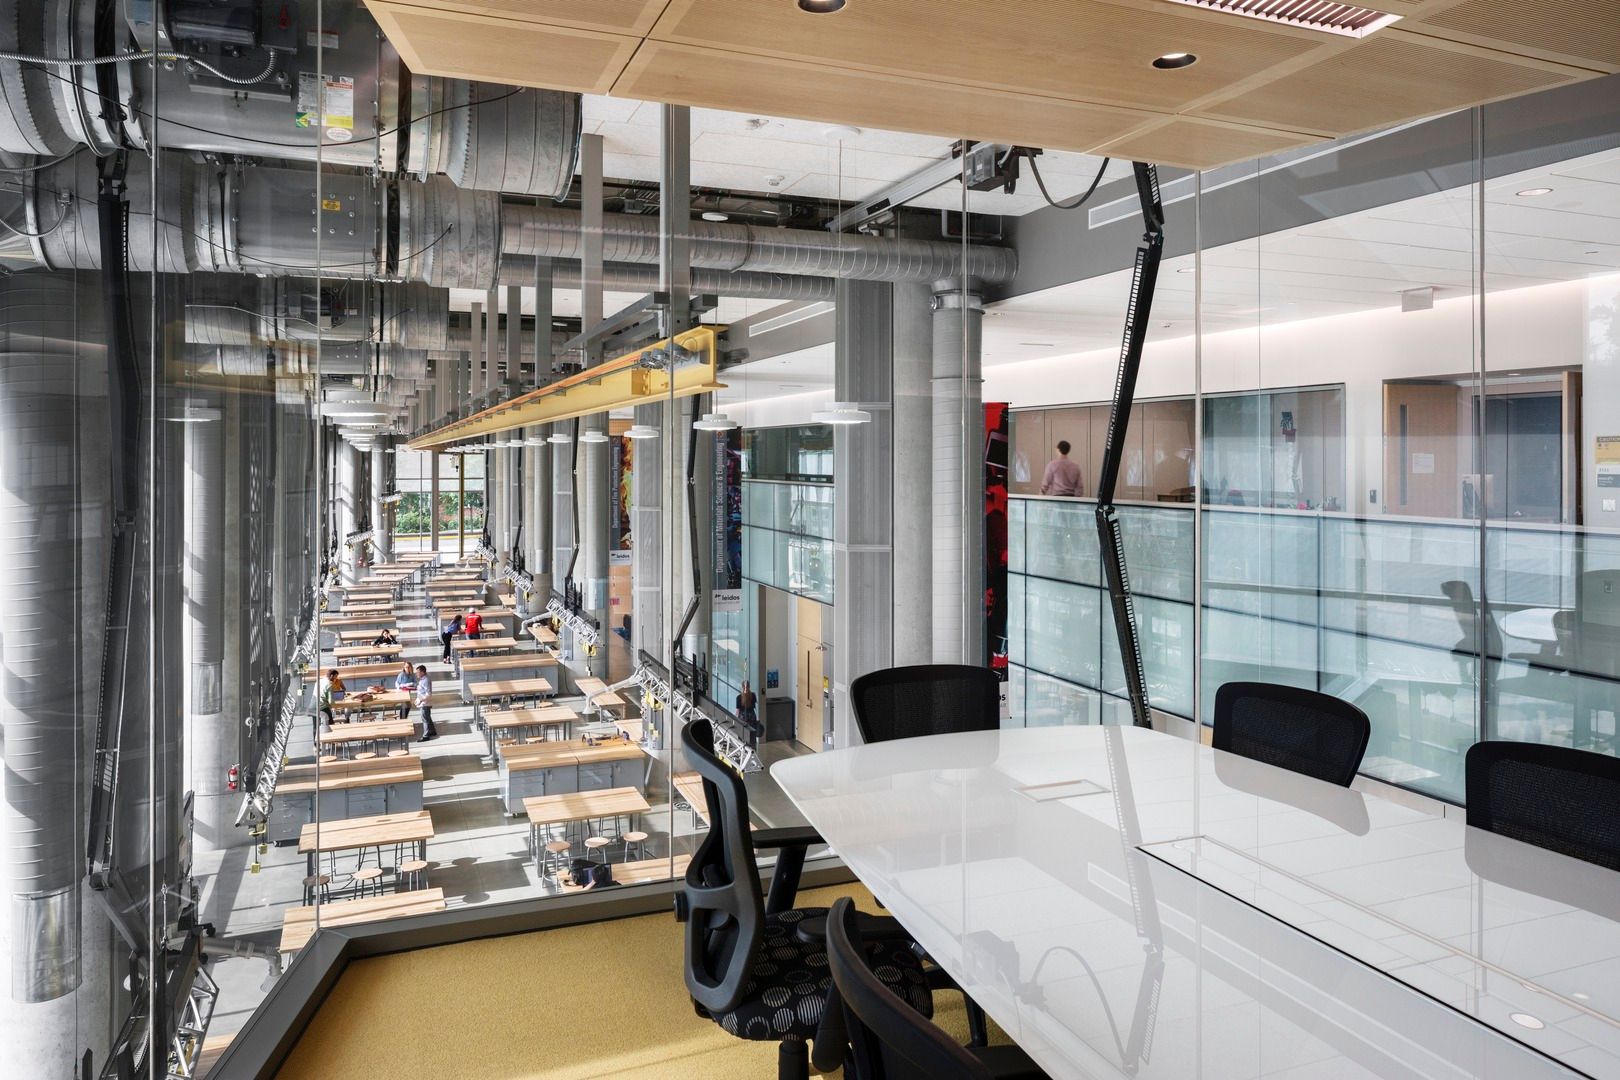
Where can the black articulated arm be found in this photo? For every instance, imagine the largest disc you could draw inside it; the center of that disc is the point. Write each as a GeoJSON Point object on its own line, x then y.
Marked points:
{"type": "Point", "coordinates": [1143, 281]}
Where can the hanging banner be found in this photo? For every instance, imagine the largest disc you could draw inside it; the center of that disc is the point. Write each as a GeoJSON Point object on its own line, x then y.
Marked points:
{"type": "Point", "coordinates": [727, 518]}
{"type": "Point", "coordinates": [996, 419]}
{"type": "Point", "coordinates": [619, 534]}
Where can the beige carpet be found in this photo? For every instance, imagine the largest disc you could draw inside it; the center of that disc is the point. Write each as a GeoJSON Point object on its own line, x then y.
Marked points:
{"type": "Point", "coordinates": [587, 1001]}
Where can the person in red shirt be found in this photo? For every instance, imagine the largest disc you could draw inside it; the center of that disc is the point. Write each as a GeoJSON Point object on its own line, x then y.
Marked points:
{"type": "Point", "coordinates": [473, 624]}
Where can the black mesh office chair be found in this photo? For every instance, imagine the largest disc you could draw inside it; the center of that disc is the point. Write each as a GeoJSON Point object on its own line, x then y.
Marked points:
{"type": "Point", "coordinates": [750, 964]}
{"type": "Point", "coordinates": [925, 699]}
{"type": "Point", "coordinates": [889, 1036]}
{"type": "Point", "coordinates": [1555, 797]}
{"type": "Point", "coordinates": [1292, 728]}
{"type": "Point", "coordinates": [929, 699]}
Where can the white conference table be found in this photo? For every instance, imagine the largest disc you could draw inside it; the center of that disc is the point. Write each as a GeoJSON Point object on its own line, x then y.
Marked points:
{"type": "Point", "coordinates": [1129, 903]}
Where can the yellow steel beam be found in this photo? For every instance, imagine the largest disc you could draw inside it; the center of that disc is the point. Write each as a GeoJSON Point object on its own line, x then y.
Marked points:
{"type": "Point", "coordinates": [613, 384]}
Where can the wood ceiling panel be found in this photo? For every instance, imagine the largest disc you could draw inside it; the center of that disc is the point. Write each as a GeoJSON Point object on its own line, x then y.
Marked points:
{"type": "Point", "coordinates": [459, 45]}
{"type": "Point", "coordinates": [1586, 32]}
{"type": "Point", "coordinates": [634, 17]}
{"type": "Point", "coordinates": [769, 86]}
{"type": "Point", "coordinates": [1080, 49]}
{"type": "Point", "coordinates": [1386, 79]}
{"type": "Point", "coordinates": [1191, 143]}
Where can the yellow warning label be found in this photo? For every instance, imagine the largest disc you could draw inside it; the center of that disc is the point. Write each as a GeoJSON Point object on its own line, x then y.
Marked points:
{"type": "Point", "coordinates": [329, 203]}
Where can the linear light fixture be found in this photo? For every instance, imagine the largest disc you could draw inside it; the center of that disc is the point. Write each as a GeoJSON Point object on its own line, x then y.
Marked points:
{"type": "Point", "coordinates": [1346, 20]}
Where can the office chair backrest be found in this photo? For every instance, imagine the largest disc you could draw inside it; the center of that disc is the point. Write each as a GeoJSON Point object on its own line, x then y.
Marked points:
{"type": "Point", "coordinates": [1555, 797]}
{"type": "Point", "coordinates": [1470, 620]}
{"type": "Point", "coordinates": [926, 699]}
{"type": "Point", "coordinates": [1292, 728]}
{"type": "Point", "coordinates": [725, 907]}
{"type": "Point", "coordinates": [887, 1036]}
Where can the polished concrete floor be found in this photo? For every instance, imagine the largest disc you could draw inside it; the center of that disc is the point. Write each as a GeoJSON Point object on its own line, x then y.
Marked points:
{"type": "Point", "coordinates": [478, 854]}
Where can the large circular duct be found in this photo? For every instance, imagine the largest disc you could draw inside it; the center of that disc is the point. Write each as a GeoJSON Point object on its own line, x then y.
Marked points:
{"type": "Point", "coordinates": [60, 206]}
{"type": "Point", "coordinates": [449, 237]}
{"type": "Point", "coordinates": [520, 140]}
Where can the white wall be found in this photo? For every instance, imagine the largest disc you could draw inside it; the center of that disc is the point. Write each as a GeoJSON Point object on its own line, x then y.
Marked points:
{"type": "Point", "coordinates": [1544, 326]}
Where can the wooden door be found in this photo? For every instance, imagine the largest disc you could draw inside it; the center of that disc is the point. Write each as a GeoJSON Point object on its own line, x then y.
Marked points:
{"type": "Point", "coordinates": [810, 664]}
{"type": "Point", "coordinates": [1422, 434]}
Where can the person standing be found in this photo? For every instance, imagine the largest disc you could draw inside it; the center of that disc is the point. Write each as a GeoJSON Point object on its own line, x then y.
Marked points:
{"type": "Point", "coordinates": [332, 689]}
{"type": "Point", "coordinates": [473, 623]}
{"type": "Point", "coordinates": [447, 633]}
{"type": "Point", "coordinates": [748, 713]}
{"type": "Point", "coordinates": [1062, 476]}
{"type": "Point", "coordinates": [424, 703]}
{"type": "Point", "coordinates": [405, 679]}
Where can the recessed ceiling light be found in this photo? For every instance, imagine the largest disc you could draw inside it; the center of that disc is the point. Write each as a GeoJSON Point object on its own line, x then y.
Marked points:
{"type": "Point", "coordinates": [1532, 192]}
{"type": "Point", "coordinates": [1039, 344]}
{"type": "Point", "coordinates": [1594, 251]}
{"type": "Point", "coordinates": [1171, 61]}
{"type": "Point", "coordinates": [1188, 270]}
{"type": "Point", "coordinates": [715, 215]}
{"type": "Point", "coordinates": [821, 7]}
{"type": "Point", "coordinates": [1526, 1020]}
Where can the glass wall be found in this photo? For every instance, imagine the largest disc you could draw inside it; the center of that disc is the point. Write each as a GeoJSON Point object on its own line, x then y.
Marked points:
{"type": "Point", "coordinates": [1403, 352]}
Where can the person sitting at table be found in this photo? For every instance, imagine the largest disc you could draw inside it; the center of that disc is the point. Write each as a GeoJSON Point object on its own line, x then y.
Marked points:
{"type": "Point", "coordinates": [405, 680]}
{"type": "Point", "coordinates": [332, 689]}
{"type": "Point", "coordinates": [473, 624]}
{"type": "Point", "coordinates": [424, 699]}
{"type": "Point", "coordinates": [447, 634]}
{"type": "Point", "coordinates": [385, 637]}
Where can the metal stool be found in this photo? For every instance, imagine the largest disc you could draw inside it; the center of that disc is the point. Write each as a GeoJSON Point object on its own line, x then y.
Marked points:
{"type": "Point", "coordinates": [317, 887]}
{"type": "Point", "coordinates": [327, 759]}
{"type": "Point", "coordinates": [366, 878]}
{"type": "Point", "coordinates": [365, 755]}
{"type": "Point", "coordinates": [399, 753]}
{"type": "Point", "coordinates": [594, 844]}
{"type": "Point", "coordinates": [636, 840]}
{"type": "Point", "coordinates": [555, 858]}
{"type": "Point", "coordinates": [410, 874]}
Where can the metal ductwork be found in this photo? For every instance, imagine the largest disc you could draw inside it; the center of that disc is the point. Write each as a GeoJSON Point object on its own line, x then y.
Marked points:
{"type": "Point", "coordinates": [234, 219]}
{"type": "Point", "coordinates": [320, 83]}
{"type": "Point", "coordinates": [556, 233]}
{"type": "Point", "coordinates": [42, 554]}
{"type": "Point", "coordinates": [633, 278]}
{"type": "Point", "coordinates": [235, 310]}
{"type": "Point", "coordinates": [204, 564]}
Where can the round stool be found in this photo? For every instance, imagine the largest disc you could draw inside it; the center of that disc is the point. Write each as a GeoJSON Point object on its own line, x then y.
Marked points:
{"type": "Point", "coordinates": [317, 886]}
{"type": "Point", "coordinates": [636, 840]}
{"type": "Point", "coordinates": [399, 753]}
{"type": "Point", "coordinates": [555, 858]}
{"type": "Point", "coordinates": [365, 755]}
{"type": "Point", "coordinates": [412, 873]}
{"type": "Point", "coordinates": [327, 759]}
{"type": "Point", "coordinates": [593, 844]}
{"type": "Point", "coordinates": [364, 877]}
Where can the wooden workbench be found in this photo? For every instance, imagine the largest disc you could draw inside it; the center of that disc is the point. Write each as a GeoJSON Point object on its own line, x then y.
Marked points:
{"type": "Point", "coordinates": [298, 924]}
{"type": "Point", "coordinates": [531, 770]}
{"type": "Point", "coordinates": [343, 789]}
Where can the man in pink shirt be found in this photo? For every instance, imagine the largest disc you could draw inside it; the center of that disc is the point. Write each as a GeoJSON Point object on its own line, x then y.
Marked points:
{"type": "Point", "coordinates": [1062, 476]}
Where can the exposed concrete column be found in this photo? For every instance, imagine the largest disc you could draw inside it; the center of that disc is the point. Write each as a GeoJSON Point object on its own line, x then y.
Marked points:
{"type": "Point", "coordinates": [913, 519]}
{"type": "Point", "coordinates": [350, 492]}
{"type": "Point", "coordinates": [864, 612]}
{"type": "Point", "coordinates": [382, 529]}
{"type": "Point", "coordinates": [433, 500]}
{"type": "Point", "coordinates": [213, 447]}
{"type": "Point", "coordinates": [562, 508]}
{"type": "Point", "coordinates": [647, 568]}
{"type": "Point", "coordinates": [492, 340]}
{"type": "Point", "coordinates": [538, 531]}
{"type": "Point", "coordinates": [475, 368]}
{"type": "Point", "coordinates": [596, 449]}
{"type": "Point", "coordinates": [958, 480]}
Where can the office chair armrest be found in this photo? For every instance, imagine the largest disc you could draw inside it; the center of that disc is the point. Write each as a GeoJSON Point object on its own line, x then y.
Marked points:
{"type": "Point", "coordinates": [813, 930]}
{"type": "Point", "coordinates": [791, 844]}
{"type": "Point", "coordinates": [802, 835]}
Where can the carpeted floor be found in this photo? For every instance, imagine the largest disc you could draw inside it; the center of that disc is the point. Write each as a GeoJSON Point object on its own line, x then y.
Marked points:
{"type": "Point", "coordinates": [602, 1000]}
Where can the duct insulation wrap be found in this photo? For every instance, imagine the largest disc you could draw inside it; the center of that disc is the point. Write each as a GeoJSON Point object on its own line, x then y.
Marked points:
{"type": "Point", "coordinates": [958, 422]}
{"type": "Point", "coordinates": [43, 518]}
{"type": "Point", "coordinates": [640, 280]}
{"type": "Point", "coordinates": [555, 233]}
{"type": "Point", "coordinates": [492, 137]}
{"type": "Point", "coordinates": [226, 309]}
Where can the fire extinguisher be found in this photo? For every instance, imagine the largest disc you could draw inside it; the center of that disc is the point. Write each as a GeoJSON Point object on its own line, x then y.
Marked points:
{"type": "Point", "coordinates": [233, 776]}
